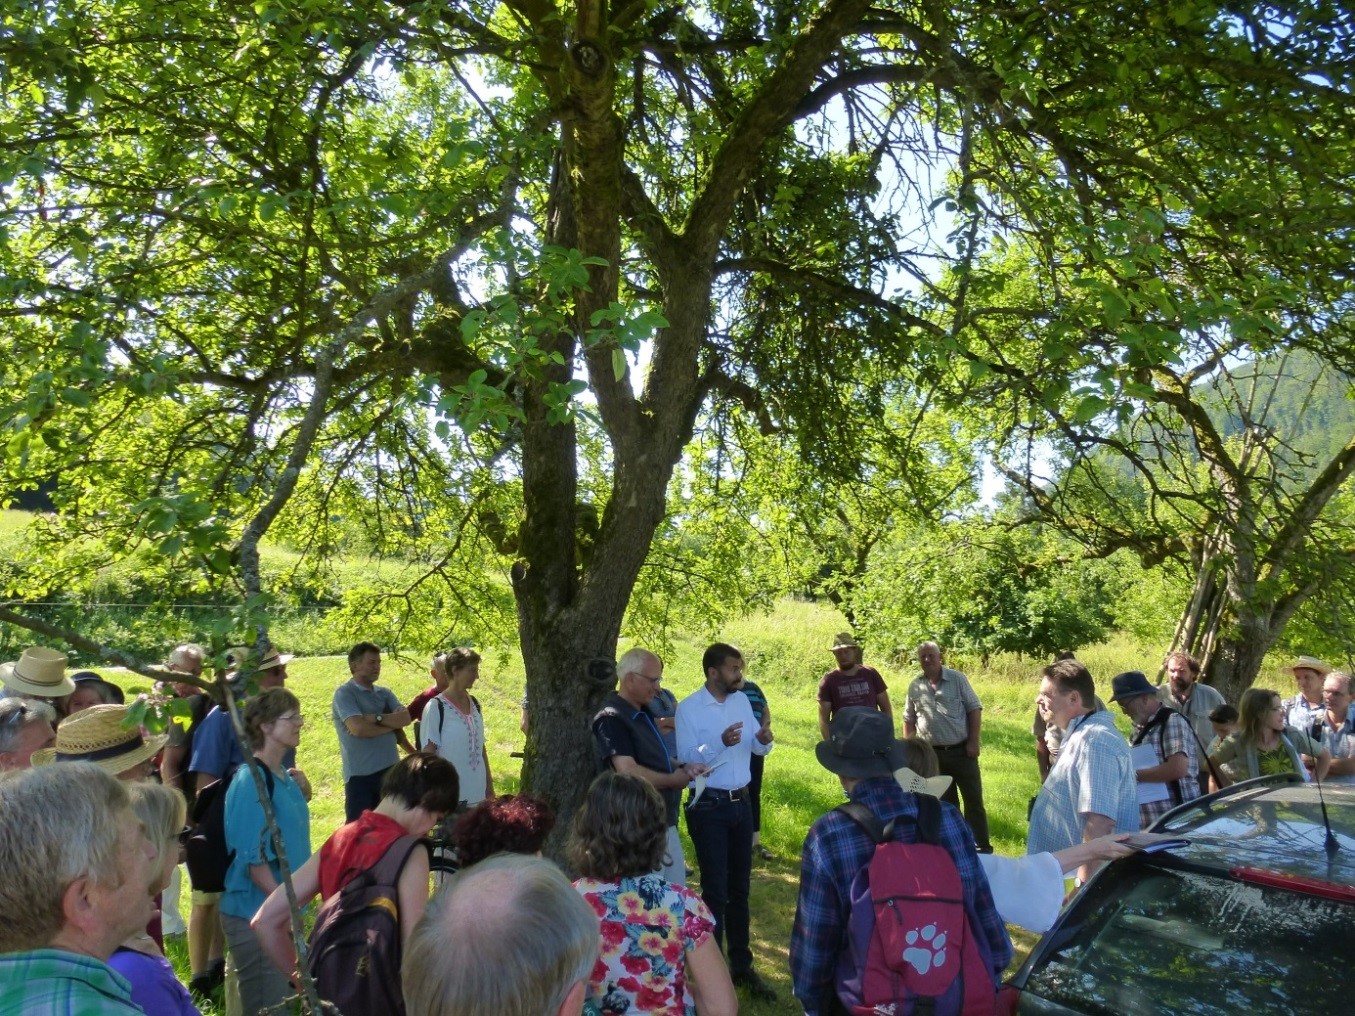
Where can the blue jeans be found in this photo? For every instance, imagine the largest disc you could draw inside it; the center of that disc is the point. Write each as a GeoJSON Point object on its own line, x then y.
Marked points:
{"type": "Point", "coordinates": [722, 833]}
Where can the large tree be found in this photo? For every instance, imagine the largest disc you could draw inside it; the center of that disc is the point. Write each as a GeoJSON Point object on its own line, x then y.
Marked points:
{"type": "Point", "coordinates": [282, 266]}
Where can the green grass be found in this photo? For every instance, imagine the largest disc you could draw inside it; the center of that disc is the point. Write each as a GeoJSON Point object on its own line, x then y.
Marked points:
{"type": "Point", "coordinates": [787, 652]}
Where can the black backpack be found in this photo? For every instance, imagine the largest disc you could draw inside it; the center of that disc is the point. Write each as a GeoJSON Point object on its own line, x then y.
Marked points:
{"type": "Point", "coordinates": [355, 947]}
{"type": "Point", "coordinates": [205, 853]}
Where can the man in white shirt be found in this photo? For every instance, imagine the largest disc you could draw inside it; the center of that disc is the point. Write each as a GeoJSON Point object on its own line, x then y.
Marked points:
{"type": "Point", "coordinates": [716, 727]}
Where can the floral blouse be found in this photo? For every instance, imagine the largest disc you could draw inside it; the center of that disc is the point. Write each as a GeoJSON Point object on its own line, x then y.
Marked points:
{"type": "Point", "coordinates": [648, 925]}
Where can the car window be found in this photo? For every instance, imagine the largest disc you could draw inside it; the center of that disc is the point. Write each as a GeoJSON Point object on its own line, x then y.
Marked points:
{"type": "Point", "coordinates": [1162, 940]}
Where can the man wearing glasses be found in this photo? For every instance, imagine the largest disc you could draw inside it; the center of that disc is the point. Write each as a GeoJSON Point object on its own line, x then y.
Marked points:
{"type": "Point", "coordinates": [1338, 728]}
{"type": "Point", "coordinates": [628, 740]}
{"type": "Point", "coordinates": [1091, 789]}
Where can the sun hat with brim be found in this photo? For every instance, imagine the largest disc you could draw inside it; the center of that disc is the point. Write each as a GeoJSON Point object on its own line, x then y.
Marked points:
{"type": "Point", "coordinates": [40, 672]}
{"type": "Point", "coordinates": [1130, 684]}
{"type": "Point", "coordinates": [241, 655]}
{"type": "Point", "coordinates": [861, 744]}
{"type": "Point", "coordinates": [97, 735]}
{"type": "Point", "coordinates": [844, 640]}
{"type": "Point", "coordinates": [912, 783]}
{"type": "Point", "coordinates": [1311, 663]}
{"type": "Point", "coordinates": [89, 677]}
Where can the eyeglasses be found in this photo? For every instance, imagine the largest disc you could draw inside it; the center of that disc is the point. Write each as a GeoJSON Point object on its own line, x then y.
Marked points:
{"type": "Point", "coordinates": [652, 680]}
{"type": "Point", "coordinates": [296, 718]}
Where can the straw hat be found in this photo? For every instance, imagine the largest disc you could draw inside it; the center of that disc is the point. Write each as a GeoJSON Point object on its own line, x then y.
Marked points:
{"type": "Point", "coordinates": [40, 672]}
{"type": "Point", "coordinates": [237, 657]}
{"type": "Point", "coordinates": [1311, 663]}
{"type": "Point", "coordinates": [97, 735]}
{"type": "Point", "coordinates": [912, 783]}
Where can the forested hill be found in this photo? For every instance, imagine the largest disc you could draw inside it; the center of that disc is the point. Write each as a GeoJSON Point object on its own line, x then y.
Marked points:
{"type": "Point", "coordinates": [1292, 396]}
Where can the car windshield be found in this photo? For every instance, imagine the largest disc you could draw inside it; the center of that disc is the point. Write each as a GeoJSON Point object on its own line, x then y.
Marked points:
{"type": "Point", "coordinates": [1165, 939]}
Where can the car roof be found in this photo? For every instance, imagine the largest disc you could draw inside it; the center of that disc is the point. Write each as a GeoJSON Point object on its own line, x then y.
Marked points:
{"type": "Point", "coordinates": [1275, 825]}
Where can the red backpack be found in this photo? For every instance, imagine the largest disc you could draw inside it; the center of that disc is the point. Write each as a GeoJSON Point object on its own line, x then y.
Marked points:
{"type": "Point", "coordinates": [910, 947]}
{"type": "Point", "coordinates": [355, 947]}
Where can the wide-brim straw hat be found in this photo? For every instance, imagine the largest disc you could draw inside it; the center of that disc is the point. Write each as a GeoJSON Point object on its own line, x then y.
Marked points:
{"type": "Point", "coordinates": [241, 655]}
{"type": "Point", "coordinates": [844, 640]}
{"type": "Point", "coordinates": [40, 672]}
{"type": "Point", "coordinates": [97, 735]}
{"type": "Point", "coordinates": [1311, 663]}
{"type": "Point", "coordinates": [912, 783]}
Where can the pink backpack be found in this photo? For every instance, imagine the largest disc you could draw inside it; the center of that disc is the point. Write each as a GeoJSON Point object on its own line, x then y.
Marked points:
{"type": "Point", "coordinates": [910, 947]}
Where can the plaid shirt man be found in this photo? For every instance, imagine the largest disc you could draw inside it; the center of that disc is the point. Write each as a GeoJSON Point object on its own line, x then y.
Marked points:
{"type": "Point", "coordinates": [1174, 737]}
{"type": "Point", "coordinates": [835, 850]}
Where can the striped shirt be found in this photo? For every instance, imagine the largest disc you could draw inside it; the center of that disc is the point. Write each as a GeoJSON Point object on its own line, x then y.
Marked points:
{"type": "Point", "coordinates": [941, 713]}
{"type": "Point", "coordinates": [1094, 774]}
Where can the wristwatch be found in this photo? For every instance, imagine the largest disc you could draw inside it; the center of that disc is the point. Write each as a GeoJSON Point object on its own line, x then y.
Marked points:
{"type": "Point", "coordinates": [377, 717]}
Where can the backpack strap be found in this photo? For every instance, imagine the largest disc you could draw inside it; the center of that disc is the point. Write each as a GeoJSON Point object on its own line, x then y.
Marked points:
{"type": "Point", "coordinates": [928, 819]}
{"type": "Point", "coordinates": [879, 832]}
{"type": "Point", "coordinates": [387, 870]}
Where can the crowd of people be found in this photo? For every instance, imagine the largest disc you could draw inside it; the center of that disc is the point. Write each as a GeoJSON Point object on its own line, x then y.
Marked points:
{"type": "Point", "coordinates": [91, 888]}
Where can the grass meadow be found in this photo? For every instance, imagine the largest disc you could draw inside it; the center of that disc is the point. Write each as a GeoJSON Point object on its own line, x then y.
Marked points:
{"type": "Point", "coordinates": [786, 652]}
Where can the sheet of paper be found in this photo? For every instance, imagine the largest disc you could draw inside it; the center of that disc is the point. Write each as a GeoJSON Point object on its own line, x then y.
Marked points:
{"type": "Point", "coordinates": [1145, 757]}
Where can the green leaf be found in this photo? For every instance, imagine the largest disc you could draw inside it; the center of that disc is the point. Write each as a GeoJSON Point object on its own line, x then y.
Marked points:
{"type": "Point", "coordinates": [619, 363]}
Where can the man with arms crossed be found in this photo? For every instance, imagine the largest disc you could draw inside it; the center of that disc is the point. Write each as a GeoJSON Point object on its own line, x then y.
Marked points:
{"type": "Point", "coordinates": [369, 722]}
{"type": "Point", "coordinates": [1090, 790]}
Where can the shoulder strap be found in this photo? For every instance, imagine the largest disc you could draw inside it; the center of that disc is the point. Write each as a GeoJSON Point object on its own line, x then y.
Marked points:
{"type": "Point", "coordinates": [928, 819]}
{"type": "Point", "coordinates": [475, 702]}
{"type": "Point", "coordinates": [387, 870]}
{"type": "Point", "coordinates": [1159, 720]}
{"type": "Point", "coordinates": [877, 831]}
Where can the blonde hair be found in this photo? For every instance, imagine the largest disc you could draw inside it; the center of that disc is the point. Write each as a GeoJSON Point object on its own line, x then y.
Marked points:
{"type": "Point", "coordinates": [162, 811]}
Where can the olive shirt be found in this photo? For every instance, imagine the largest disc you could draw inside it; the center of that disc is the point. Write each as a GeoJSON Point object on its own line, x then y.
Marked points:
{"type": "Point", "coordinates": [1284, 758]}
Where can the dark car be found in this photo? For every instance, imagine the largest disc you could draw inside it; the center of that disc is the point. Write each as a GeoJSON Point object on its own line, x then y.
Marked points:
{"type": "Point", "coordinates": [1252, 915]}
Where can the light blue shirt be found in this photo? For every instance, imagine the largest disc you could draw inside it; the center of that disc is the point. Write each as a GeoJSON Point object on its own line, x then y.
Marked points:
{"type": "Point", "coordinates": [245, 834]}
{"type": "Point", "coordinates": [363, 756]}
{"type": "Point", "coordinates": [701, 722]}
{"type": "Point", "coordinates": [1094, 773]}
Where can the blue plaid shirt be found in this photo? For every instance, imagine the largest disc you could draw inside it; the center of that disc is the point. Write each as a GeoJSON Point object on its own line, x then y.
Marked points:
{"type": "Point", "coordinates": [836, 849]}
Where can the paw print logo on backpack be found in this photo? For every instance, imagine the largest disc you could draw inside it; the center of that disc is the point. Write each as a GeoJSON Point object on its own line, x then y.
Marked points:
{"type": "Point", "coordinates": [930, 953]}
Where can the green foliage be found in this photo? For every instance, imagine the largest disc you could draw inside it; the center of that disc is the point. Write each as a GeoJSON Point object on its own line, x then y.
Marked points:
{"type": "Point", "coordinates": [981, 587]}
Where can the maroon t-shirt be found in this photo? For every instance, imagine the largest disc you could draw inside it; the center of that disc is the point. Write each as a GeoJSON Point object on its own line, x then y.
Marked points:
{"type": "Point", "coordinates": [861, 688]}
{"type": "Point", "coordinates": [419, 701]}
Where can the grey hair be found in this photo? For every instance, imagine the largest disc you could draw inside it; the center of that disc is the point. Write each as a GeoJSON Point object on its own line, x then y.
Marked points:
{"type": "Point", "coordinates": [634, 660]}
{"type": "Point", "coordinates": [506, 937]}
{"type": "Point", "coordinates": [1344, 678]}
{"type": "Point", "coordinates": [184, 652]}
{"type": "Point", "coordinates": [57, 824]}
{"type": "Point", "coordinates": [34, 710]}
{"type": "Point", "coordinates": [928, 645]}
{"type": "Point", "coordinates": [162, 811]}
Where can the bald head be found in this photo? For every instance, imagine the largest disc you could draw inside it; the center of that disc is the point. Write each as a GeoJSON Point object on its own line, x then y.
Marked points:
{"type": "Point", "coordinates": [506, 937]}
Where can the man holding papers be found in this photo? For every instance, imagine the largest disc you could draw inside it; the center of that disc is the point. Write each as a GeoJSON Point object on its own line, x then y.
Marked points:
{"type": "Point", "coordinates": [1165, 765]}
